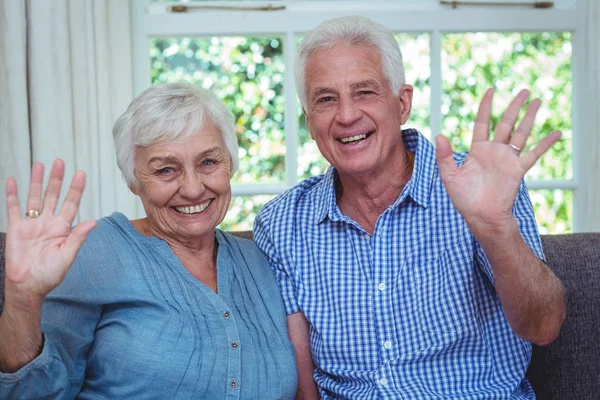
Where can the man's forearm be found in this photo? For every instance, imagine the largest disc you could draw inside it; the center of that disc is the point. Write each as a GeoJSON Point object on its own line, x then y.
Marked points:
{"type": "Point", "coordinates": [21, 338]}
{"type": "Point", "coordinates": [299, 331]}
{"type": "Point", "coordinates": [531, 295]}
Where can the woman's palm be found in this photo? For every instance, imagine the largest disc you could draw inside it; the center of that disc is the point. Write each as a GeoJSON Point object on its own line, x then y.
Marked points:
{"type": "Point", "coordinates": [40, 250]}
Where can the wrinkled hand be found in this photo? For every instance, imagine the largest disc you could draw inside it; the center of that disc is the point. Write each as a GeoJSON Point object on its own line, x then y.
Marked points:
{"type": "Point", "coordinates": [484, 189]}
{"type": "Point", "coordinates": [40, 251]}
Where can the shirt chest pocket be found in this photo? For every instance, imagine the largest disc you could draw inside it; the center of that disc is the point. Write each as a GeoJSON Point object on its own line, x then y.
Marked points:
{"type": "Point", "coordinates": [445, 292]}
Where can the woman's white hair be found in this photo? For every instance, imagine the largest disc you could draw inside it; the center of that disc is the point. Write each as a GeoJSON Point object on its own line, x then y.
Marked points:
{"type": "Point", "coordinates": [355, 31]}
{"type": "Point", "coordinates": [171, 112]}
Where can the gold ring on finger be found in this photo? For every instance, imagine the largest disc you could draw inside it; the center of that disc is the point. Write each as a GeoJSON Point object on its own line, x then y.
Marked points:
{"type": "Point", "coordinates": [517, 148]}
{"type": "Point", "coordinates": [33, 213]}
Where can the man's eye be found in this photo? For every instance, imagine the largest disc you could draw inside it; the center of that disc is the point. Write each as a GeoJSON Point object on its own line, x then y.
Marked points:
{"type": "Point", "coordinates": [325, 99]}
{"type": "Point", "coordinates": [366, 92]}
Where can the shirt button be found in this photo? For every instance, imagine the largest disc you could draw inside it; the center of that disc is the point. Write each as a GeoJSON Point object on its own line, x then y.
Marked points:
{"type": "Point", "coordinates": [381, 286]}
{"type": "Point", "coordinates": [387, 344]}
{"type": "Point", "coordinates": [383, 381]}
{"type": "Point", "coordinates": [234, 345]}
{"type": "Point", "coordinates": [233, 383]}
{"type": "Point", "coordinates": [226, 314]}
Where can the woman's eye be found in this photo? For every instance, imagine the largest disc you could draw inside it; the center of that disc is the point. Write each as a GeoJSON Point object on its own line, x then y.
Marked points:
{"type": "Point", "coordinates": [208, 163]}
{"type": "Point", "coordinates": [165, 171]}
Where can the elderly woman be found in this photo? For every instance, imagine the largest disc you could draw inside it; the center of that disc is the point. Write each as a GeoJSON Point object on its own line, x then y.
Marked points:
{"type": "Point", "coordinates": [161, 307]}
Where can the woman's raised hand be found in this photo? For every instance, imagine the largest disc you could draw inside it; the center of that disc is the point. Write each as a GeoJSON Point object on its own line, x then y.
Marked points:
{"type": "Point", "coordinates": [40, 246]}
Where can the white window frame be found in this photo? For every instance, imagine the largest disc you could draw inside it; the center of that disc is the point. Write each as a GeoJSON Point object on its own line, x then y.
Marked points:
{"type": "Point", "coordinates": [402, 16]}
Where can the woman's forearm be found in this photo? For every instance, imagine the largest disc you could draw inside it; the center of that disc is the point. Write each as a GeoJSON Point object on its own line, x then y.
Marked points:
{"type": "Point", "coordinates": [21, 338]}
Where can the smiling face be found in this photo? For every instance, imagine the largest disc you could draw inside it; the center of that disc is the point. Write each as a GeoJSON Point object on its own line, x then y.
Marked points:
{"type": "Point", "coordinates": [352, 113]}
{"type": "Point", "coordinates": [185, 186]}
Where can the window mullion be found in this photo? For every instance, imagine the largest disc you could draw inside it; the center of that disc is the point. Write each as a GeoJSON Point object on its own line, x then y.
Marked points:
{"type": "Point", "coordinates": [239, 189]}
{"type": "Point", "coordinates": [556, 184]}
{"type": "Point", "coordinates": [291, 111]}
{"type": "Point", "coordinates": [435, 84]}
{"type": "Point", "coordinates": [580, 166]}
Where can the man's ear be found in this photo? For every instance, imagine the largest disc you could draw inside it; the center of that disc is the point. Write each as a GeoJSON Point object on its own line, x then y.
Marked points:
{"type": "Point", "coordinates": [405, 96]}
{"type": "Point", "coordinates": [307, 123]}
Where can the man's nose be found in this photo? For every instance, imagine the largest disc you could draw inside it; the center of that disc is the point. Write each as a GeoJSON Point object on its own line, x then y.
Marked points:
{"type": "Point", "coordinates": [192, 185]}
{"type": "Point", "coordinates": [348, 111]}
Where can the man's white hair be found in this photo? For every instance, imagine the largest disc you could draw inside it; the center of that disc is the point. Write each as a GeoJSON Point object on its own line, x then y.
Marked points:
{"type": "Point", "coordinates": [355, 31]}
{"type": "Point", "coordinates": [168, 113]}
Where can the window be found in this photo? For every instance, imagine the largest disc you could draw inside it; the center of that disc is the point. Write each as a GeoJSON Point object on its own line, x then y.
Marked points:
{"type": "Point", "coordinates": [451, 57]}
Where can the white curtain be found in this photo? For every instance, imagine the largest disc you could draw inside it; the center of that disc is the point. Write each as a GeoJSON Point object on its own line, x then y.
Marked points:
{"type": "Point", "coordinates": [592, 81]}
{"type": "Point", "coordinates": [15, 156]}
{"type": "Point", "coordinates": [65, 76]}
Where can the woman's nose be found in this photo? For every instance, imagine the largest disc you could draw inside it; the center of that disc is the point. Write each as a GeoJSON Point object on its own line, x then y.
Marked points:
{"type": "Point", "coordinates": [192, 185]}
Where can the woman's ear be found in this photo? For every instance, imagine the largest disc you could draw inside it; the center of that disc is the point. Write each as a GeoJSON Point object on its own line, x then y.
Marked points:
{"type": "Point", "coordinates": [134, 189]}
{"type": "Point", "coordinates": [230, 167]}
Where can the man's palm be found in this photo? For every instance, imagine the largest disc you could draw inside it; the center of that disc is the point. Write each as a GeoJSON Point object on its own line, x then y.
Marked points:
{"type": "Point", "coordinates": [485, 187]}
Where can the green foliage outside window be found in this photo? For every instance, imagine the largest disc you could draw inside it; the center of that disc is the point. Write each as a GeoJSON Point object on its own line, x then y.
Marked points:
{"type": "Point", "coordinates": [243, 211]}
{"type": "Point", "coordinates": [553, 210]}
{"type": "Point", "coordinates": [540, 62]}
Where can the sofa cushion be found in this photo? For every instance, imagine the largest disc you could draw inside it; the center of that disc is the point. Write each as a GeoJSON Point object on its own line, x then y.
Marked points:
{"type": "Point", "coordinates": [569, 367]}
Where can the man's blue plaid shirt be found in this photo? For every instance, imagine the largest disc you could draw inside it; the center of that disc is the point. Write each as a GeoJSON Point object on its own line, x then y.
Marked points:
{"type": "Point", "coordinates": [407, 313]}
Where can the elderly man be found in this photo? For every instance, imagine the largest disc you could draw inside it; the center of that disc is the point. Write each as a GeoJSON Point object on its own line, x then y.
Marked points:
{"type": "Point", "coordinates": [407, 271]}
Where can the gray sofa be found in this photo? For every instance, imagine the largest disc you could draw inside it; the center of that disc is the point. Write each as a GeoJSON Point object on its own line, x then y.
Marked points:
{"type": "Point", "coordinates": [569, 368]}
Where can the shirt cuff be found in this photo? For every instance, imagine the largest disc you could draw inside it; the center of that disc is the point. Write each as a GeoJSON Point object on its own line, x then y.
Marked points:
{"type": "Point", "coordinates": [38, 362]}
{"type": "Point", "coordinates": [291, 307]}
